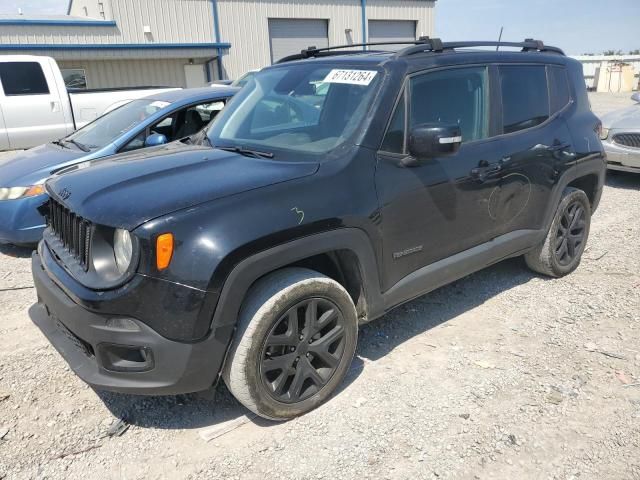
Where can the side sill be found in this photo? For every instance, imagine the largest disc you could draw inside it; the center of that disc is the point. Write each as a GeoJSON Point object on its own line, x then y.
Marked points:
{"type": "Point", "coordinates": [442, 272]}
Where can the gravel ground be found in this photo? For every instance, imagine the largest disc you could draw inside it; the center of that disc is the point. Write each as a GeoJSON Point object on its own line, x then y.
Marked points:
{"type": "Point", "coordinates": [503, 374]}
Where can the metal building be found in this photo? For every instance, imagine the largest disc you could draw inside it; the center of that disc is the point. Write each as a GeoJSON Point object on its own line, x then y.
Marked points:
{"type": "Point", "coordinates": [121, 43]}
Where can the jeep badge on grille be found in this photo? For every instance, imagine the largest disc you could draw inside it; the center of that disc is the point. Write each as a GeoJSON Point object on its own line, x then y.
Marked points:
{"type": "Point", "coordinates": [64, 194]}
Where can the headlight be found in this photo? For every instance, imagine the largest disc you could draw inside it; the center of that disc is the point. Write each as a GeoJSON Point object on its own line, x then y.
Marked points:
{"type": "Point", "coordinates": [604, 134]}
{"type": "Point", "coordinates": [13, 193]}
{"type": "Point", "coordinates": [122, 249]}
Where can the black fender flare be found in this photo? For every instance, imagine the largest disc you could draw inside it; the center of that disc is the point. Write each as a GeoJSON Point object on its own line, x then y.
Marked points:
{"type": "Point", "coordinates": [250, 269]}
{"type": "Point", "coordinates": [594, 164]}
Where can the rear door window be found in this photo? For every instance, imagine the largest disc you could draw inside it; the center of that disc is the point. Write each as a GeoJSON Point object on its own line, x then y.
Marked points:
{"type": "Point", "coordinates": [23, 78]}
{"type": "Point", "coordinates": [525, 96]}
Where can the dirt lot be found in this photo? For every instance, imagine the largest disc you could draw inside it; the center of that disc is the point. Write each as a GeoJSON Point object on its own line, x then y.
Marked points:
{"type": "Point", "coordinates": [501, 375]}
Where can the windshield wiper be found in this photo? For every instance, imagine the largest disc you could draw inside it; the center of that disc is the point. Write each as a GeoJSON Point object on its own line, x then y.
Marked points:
{"type": "Point", "coordinates": [247, 152]}
{"type": "Point", "coordinates": [81, 146]}
{"type": "Point", "coordinates": [59, 143]}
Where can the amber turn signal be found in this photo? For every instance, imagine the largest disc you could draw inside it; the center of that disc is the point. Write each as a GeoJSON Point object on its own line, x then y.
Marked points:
{"type": "Point", "coordinates": [34, 191]}
{"type": "Point", "coordinates": [164, 250]}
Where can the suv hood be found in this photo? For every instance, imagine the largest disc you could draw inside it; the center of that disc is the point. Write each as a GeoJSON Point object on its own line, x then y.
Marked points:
{"type": "Point", "coordinates": [128, 190]}
{"type": "Point", "coordinates": [37, 164]}
{"type": "Point", "coordinates": [626, 118]}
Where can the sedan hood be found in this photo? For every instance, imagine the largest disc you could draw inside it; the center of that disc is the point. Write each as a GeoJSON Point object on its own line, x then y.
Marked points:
{"type": "Point", "coordinates": [128, 190]}
{"type": "Point", "coordinates": [37, 164]}
{"type": "Point", "coordinates": [626, 118]}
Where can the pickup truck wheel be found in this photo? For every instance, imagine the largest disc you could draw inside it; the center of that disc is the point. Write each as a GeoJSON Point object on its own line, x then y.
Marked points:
{"type": "Point", "coordinates": [297, 334]}
{"type": "Point", "coordinates": [562, 249]}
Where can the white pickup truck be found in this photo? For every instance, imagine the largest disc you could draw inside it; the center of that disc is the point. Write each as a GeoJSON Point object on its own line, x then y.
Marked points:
{"type": "Point", "coordinates": [35, 106]}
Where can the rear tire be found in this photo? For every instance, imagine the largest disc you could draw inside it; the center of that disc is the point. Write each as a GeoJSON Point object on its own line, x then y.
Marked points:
{"type": "Point", "coordinates": [562, 249]}
{"type": "Point", "coordinates": [297, 334]}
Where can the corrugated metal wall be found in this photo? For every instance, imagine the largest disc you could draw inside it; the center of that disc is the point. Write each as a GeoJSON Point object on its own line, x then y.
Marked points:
{"type": "Point", "coordinates": [171, 21]}
{"type": "Point", "coordinates": [244, 23]}
{"type": "Point", "coordinates": [421, 11]}
{"type": "Point", "coordinates": [130, 73]}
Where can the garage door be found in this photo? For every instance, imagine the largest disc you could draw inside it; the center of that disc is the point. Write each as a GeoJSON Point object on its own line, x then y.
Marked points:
{"type": "Point", "coordinates": [289, 36]}
{"type": "Point", "coordinates": [392, 31]}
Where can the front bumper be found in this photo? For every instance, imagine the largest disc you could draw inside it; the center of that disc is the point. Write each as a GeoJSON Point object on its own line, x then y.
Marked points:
{"type": "Point", "coordinates": [622, 158]}
{"type": "Point", "coordinates": [124, 356]}
{"type": "Point", "coordinates": [20, 221]}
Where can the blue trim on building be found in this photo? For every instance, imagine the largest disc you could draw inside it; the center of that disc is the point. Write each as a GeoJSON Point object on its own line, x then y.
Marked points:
{"type": "Point", "coordinates": [63, 23]}
{"type": "Point", "coordinates": [363, 4]}
{"type": "Point", "coordinates": [216, 30]}
{"type": "Point", "coordinates": [112, 46]}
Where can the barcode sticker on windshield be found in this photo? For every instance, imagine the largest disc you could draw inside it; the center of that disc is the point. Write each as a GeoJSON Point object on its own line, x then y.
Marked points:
{"type": "Point", "coordinates": [353, 77]}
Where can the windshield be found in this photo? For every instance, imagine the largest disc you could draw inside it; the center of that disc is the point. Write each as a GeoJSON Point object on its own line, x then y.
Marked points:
{"type": "Point", "coordinates": [112, 125]}
{"type": "Point", "coordinates": [301, 108]}
{"type": "Point", "coordinates": [243, 80]}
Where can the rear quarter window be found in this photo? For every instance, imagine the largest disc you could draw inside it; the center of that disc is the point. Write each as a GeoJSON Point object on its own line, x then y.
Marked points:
{"type": "Point", "coordinates": [23, 78]}
{"type": "Point", "coordinates": [525, 96]}
{"type": "Point", "coordinates": [558, 88]}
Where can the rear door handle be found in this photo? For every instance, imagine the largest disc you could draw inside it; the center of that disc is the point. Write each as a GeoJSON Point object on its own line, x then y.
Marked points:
{"type": "Point", "coordinates": [559, 147]}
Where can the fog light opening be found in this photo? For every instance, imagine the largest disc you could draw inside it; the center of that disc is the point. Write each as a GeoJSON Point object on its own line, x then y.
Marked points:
{"type": "Point", "coordinates": [125, 358]}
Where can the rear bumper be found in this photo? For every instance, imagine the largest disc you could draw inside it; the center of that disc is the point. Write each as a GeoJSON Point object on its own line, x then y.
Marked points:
{"type": "Point", "coordinates": [20, 221]}
{"type": "Point", "coordinates": [120, 353]}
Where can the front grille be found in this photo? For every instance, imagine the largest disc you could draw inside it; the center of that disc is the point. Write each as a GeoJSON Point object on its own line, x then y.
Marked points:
{"type": "Point", "coordinates": [83, 346]}
{"type": "Point", "coordinates": [627, 139]}
{"type": "Point", "coordinates": [72, 230]}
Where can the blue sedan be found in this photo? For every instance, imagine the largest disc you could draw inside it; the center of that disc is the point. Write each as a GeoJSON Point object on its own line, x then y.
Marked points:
{"type": "Point", "coordinates": [145, 122]}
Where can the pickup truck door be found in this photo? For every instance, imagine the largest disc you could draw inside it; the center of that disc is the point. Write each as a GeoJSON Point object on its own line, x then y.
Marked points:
{"type": "Point", "coordinates": [439, 206]}
{"type": "Point", "coordinates": [33, 103]}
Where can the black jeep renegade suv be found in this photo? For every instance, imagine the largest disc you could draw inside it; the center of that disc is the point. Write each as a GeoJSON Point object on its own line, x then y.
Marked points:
{"type": "Point", "coordinates": [335, 186]}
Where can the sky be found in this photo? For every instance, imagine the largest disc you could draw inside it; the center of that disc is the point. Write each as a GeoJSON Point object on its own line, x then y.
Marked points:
{"type": "Point", "coordinates": [34, 7]}
{"type": "Point", "coordinates": [577, 26]}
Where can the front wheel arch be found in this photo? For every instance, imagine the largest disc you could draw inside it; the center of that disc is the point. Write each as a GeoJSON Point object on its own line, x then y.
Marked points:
{"type": "Point", "coordinates": [247, 272]}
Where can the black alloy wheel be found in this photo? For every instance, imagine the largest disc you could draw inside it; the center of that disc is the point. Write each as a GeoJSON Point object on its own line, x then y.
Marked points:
{"type": "Point", "coordinates": [303, 350]}
{"type": "Point", "coordinates": [571, 234]}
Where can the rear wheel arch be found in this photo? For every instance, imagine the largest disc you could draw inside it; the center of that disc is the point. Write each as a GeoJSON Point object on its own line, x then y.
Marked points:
{"type": "Point", "coordinates": [588, 184]}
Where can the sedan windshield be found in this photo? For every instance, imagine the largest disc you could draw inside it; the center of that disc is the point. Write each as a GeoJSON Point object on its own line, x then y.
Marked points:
{"type": "Point", "coordinates": [114, 124]}
{"type": "Point", "coordinates": [307, 108]}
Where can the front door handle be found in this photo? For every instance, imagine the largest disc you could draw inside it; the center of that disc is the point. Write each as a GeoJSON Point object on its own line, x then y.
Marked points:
{"type": "Point", "coordinates": [483, 171]}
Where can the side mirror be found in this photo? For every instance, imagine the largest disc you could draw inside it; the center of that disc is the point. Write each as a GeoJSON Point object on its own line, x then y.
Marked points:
{"type": "Point", "coordinates": [429, 140]}
{"type": "Point", "coordinates": [155, 139]}
{"type": "Point", "coordinates": [636, 97]}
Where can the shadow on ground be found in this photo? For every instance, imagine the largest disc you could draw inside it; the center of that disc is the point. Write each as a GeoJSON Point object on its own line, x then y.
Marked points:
{"type": "Point", "coordinates": [376, 340]}
{"type": "Point", "coordinates": [626, 180]}
{"type": "Point", "coordinates": [15, 251]}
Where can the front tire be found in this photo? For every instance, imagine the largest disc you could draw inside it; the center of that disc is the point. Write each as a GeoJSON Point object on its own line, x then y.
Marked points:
{"type": "Point", "coordinates": [297, 334]}
{"type": "Point", "coordinates": [562, 249]}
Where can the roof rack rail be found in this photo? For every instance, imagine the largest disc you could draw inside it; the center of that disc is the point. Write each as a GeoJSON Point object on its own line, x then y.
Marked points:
{"type": "Point", "coordinates": [421, 45]}
{"type": "Point", "coordinates": [435, 45]}
{"type": "Point", "coordinates": [325, 51]}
